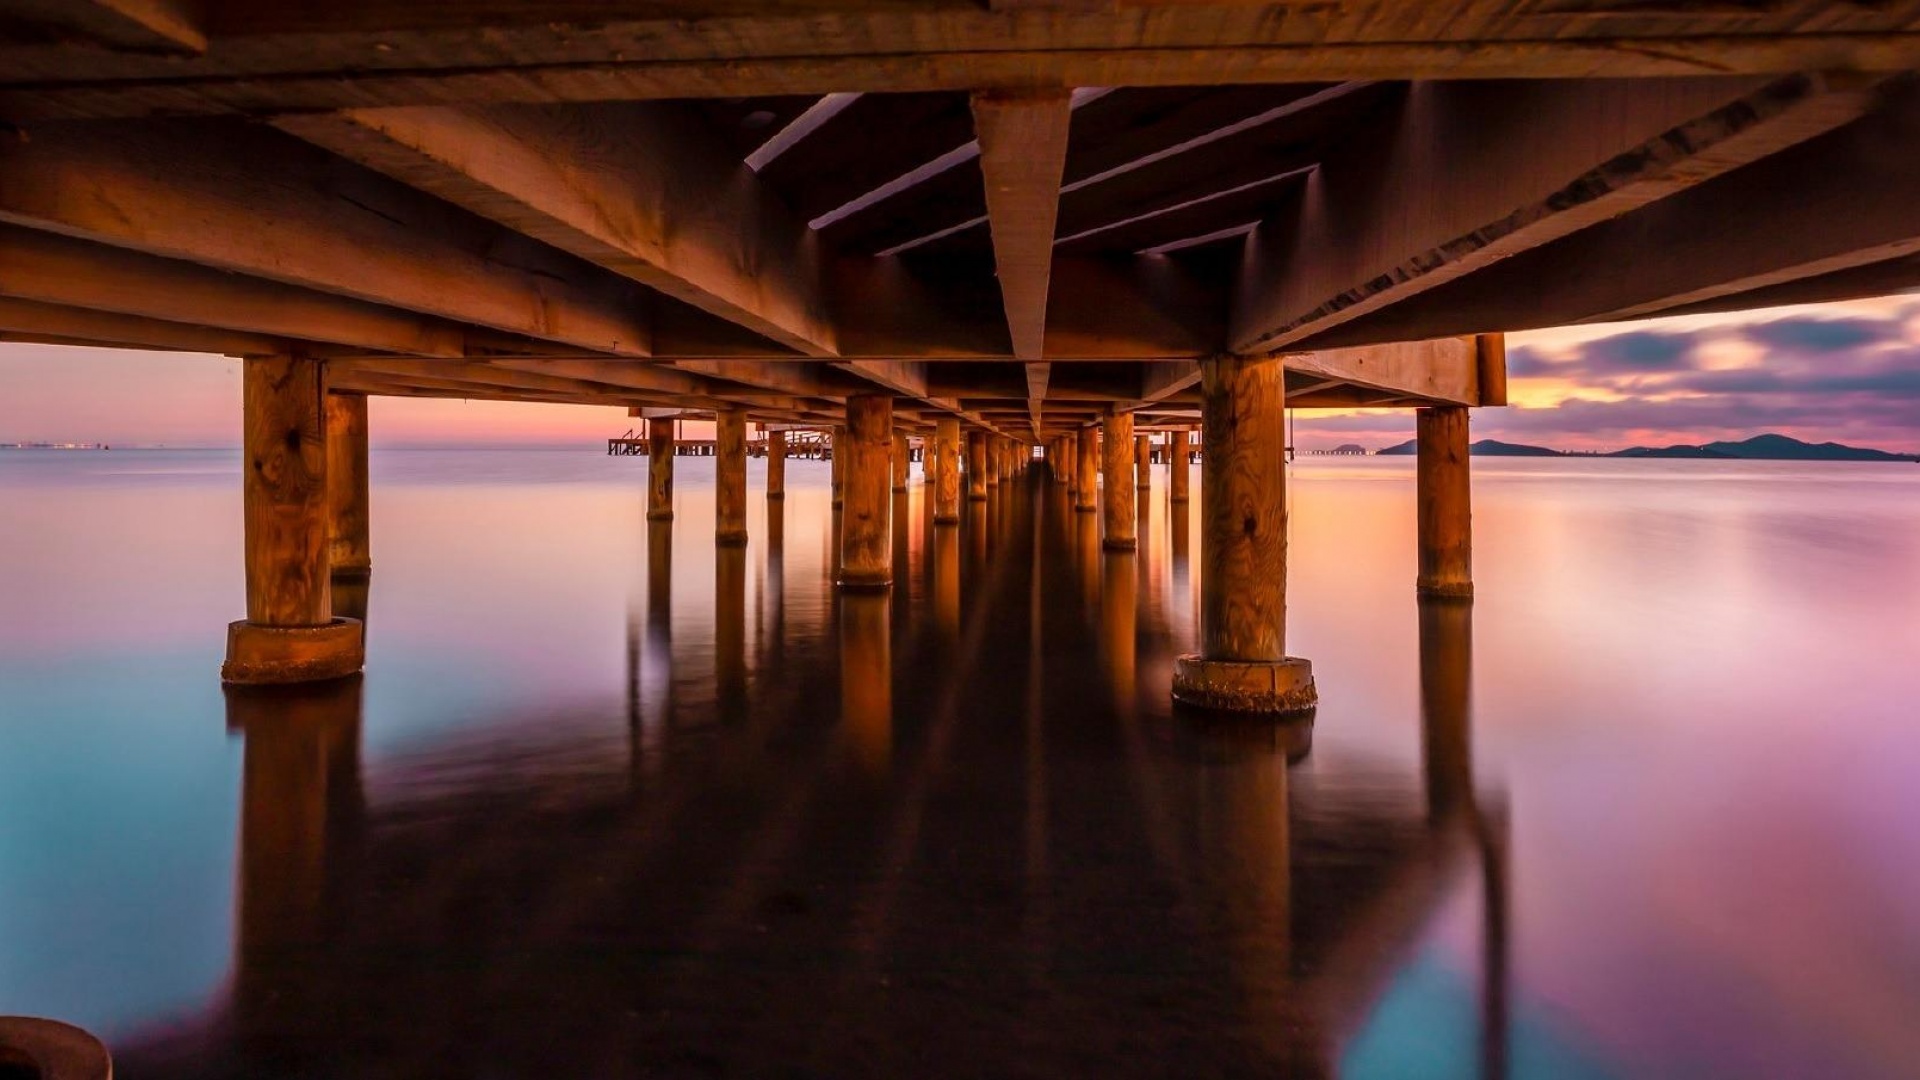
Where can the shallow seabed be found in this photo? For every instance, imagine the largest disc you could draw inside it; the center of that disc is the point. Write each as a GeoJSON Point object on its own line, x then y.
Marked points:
{"type": "Point", "coordinates": [607, 802]}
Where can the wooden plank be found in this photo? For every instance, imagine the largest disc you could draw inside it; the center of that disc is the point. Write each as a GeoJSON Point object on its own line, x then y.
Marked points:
{"type": "Point", "coordinates": [1023, 151]}
{"type": "Point", "coordinates": [1037, 375]}
{"type": "Point", "coordinates": [1470, 173]}
{"type": "Point", "coordinates": [1443, 370]}
{"type": "Point", "coordinates": [56, 270]}
{"type": "Point", "coordinates": [321, 224]}
{"type": "Point", "coordinates": [644, 190]}
{"type": "Point", "coordinates": [156, 27]}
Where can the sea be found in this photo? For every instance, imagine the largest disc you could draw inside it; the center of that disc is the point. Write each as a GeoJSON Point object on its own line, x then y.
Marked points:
{"type": "Point", "coordinates": [609, 801]}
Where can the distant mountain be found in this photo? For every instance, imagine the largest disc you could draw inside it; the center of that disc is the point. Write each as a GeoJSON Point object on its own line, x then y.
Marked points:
{"type": "Point", "coordinates": [1768, 447]}
{"type": "Point", "coordinates": [1483, 448]}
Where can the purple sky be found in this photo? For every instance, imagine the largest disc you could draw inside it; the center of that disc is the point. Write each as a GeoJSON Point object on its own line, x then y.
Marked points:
{"type": "Point", "coordinates": [1846, 372]}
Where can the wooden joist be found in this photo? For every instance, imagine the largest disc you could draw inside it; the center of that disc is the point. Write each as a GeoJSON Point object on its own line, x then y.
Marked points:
{"type": "Point", "coordinates": [1470, 173]}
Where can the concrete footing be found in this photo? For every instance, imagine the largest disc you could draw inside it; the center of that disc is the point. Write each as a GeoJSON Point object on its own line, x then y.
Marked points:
{"type": "Point", "coordinates": [1453, 590]}
{"type": "Point", "coordinates": [51, 1050]}
{"type": "Point", "coordinates": [263, 655]}
{"type": "Point", "coordinates": [1285, 686]}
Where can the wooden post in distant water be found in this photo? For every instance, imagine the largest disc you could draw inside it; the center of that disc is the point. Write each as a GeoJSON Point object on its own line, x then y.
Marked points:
{"type": "Point", "coordinates": [290, 633]}
{"type": "Point", "coordinates": [1086, 471]}
{"type": "Point", "coordinates": [776, 464]}
{"type": "Point", "coordinates": [946, 471]}
{"type": "Point", "coordinates": [1443, 500]}
{"type": "Point", "coordinates": [660, 470]}
{"type": "Point", "coordinates": [1177, 466]}
{"type": "Point", "coordinates": [993, 460]}
{"type": "Point", "coordinates": [838, 469]}
{"type": "Point", "coordinates": [976, 465]}
{"type": "Point", "coordinates": [730, 477]}
{"type": "Point", "coordinates": [1117, 496]}
{"type": "Point", "coordinates": [865, 548]}
{"type": "Point", "coordinates": [901, 465]}
{"type": "Point", "coordinates": [1142, 462]}
{"type": "Point", "coordinates": [1243, 664]}
{"type": "Point", "coordinates": [350, 551]}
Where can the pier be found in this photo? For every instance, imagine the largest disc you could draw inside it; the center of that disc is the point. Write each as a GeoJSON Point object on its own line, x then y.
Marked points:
{"type": "Point", "coordinates": [1116, 234]}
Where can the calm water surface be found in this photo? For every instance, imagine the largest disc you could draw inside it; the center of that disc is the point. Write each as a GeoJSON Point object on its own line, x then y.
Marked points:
{"type": "Point", "coordinates": [608, 804]}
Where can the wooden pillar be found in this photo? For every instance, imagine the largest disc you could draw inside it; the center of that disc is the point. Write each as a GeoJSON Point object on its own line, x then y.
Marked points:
{"type": "Point", "coordinates": [946, 471]}
{"type": "Point", "coordinates": [1243, 665]}
{"type": "Point", "coordinates": [290, 633]}
{"type": "Point", "coordinates": [1142, 462]}
{"type": "Point", "coordinates": [660, 450]}
{"type": "Point", "coordinates": [1086, 471]}
{"type": "Point", "coordinates": [1117, 483]}
{"type": "Point", "coordinates": [976, 465]}
{"type": "Point", "coordinates": [349, 523]}
{"type": "Point", "coordinates": [865, 551]}
{"type": "Point", "coordinates": [1445, 504]}
{"type": "Point", "coordinates": [901, 464]}
{"type": "Point", "coordinates": [839, 465]}
{"type": "Point", "coordinates": [730, 477]}
{"type": "Point", "coordinates": [993, 459]}
{"type": "Point", "coordinates": [776, 464]}
{"type": "Point", "coordinates": [1177, 466]}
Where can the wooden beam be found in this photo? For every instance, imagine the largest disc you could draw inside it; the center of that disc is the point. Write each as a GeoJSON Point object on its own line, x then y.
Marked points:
{"type": "Point", "coordinates": [645, 190]}
{"type": "Point", "coordinates": [56, 270]}
{"type": "Point", "coordinates": [29, 320]}
{"type": "Point", "coordinates": [1444, 370]}
{"type": "Point", "coordinates": [321, 225]}
{"type": "Point", "coordinates": [161, 27]}
{"type": "Point", "coordinates": [1023, 152]}
{"type": "Point", "coordinates": [288, 57]}
{"type": "Point", "coordinates": [1471, 173]}
{"type": "Point", "coordinates": [1831, 204]}
{"type": "Point", "coordinates": [1037, 375]}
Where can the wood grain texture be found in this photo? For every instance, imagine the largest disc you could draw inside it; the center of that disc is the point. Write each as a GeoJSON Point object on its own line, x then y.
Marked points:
{"type": "Point", "coordinates": [1086, 470]}
{"type": "Point", "coordinates": [946, 471]}
{"type": "Point", "coordinates": [1177, 464]}
{"type": "Point", "coordinates": [865, 544]}
{"type": "Point", "coordinates": [1142, 462]}
{"type": "Point", "coordinates": [348, 517]}
{"type": "Point", "coordinates": [1444, 503]}
{"type": "Point", "coordinates": [1243, 524]}
{"type": "Point", "coordinates": [1117, 489]}
{"type": "Point", "coordinates": [660, 454]}
{"type": "Point", "coordinates": [776, 464]}
{"type": "Point", "coordinates": [730, 476]}
{"type": "Point", "coordinates": [902, 461]}
{"type": "Point", "coordinates": [286, 499]}
{"type": "Point", "coordinates": [837, 470]}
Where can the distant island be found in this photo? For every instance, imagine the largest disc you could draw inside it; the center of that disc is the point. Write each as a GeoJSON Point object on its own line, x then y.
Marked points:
{"type": "Point", "coordinates": [1768, 447]}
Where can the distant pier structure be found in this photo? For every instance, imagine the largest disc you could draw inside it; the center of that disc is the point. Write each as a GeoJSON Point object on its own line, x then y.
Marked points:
{"type": "Point", "coordinates": [1122, 234]}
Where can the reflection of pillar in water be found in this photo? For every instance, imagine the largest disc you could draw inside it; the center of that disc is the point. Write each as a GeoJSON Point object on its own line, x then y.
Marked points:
{"type": "Point", "coordinates": [1446, 671]}
{"type": "Point", "coordinates": [1118, 618]}
{"type": "Point", "coordinates": [902, 548]}
{"type": "Point", "coordinates": [730, 627]}
{"type": "Point", "coordinates": [946, 583]}
{"type": "Point", "coordinates": [976, 534]}
{"type": "Point", "coordinates": [776, 464]}
{"type": "Point", "coordinates": [1086, 547]}
{"type": "Point", "coordinates": [657, 658]}
{"type": "Point", "coordinates": [866, 679]}
{"type": "Point", "coordinates": [299, 795]}
{"type": "Point", "coordinates": [1179, 542]}
{"type": "Point", "coordinates": [776, 592]}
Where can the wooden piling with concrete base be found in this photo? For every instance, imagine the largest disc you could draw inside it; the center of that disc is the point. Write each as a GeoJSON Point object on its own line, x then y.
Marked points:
{"type": "Point", "coordinates": [902, 464]}
{"type": "Point", "coordinates": [1117, 494]}
{"type": "Point", "coordinates": [290, 633]}
{"type": "Point", "coordinates": [1177, 454]}
{"type": "Point", "coordinates": [730, 477]}
{"type": "Point", "coordinates": [1243, 664]}
{"type": "Point", "coordinates": [946, 471]}
{"type": "Point", "coordinates": [776, 464]}
{"type": "Point", "coordinates": [976, 465]}
{"type": "Point", "coordinates": [1086, 470]}
{"type": "Point", "coordinates": [1444, 504]}
{"type": "Point", "coordinates": [865, 550]}
{"type": "Point", "coordinates": [660, 470]}
{"type": "Point", "coordinates": [349, 521]}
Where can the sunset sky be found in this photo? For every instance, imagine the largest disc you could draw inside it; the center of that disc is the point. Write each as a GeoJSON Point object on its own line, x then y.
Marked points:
{"type": "Point", "coordinates": [1843, 372]}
